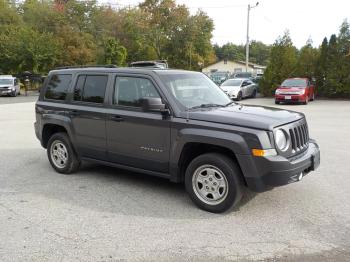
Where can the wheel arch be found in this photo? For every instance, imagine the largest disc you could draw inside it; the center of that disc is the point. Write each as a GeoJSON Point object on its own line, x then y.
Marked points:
{"type": "Point", "coordinates": [54, 125]}
{"type": "Point", "coordinates": [192, 146]}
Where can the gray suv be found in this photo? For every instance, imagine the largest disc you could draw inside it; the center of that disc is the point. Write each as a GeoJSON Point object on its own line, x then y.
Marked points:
{"type": "Point", "coordinates": [173, 124]}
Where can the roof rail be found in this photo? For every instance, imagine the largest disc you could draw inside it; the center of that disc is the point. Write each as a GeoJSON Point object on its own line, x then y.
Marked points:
{"type": "Point", "coordinates": [85, 66]}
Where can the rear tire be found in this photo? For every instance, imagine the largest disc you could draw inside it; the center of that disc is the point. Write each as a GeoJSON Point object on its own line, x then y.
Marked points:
{"type": "Point", "coordinates": [61, 154]}
{"type": "Point", "coordinates": [253, 94]}
{"type": "Point", "coordinates": [313, 97]}
{"type": "Point", "coordinates": [214, 182]}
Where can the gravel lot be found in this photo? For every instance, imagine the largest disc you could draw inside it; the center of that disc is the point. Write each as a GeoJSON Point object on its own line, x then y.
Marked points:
{"type": "Point", "coordinates": [106, 214]}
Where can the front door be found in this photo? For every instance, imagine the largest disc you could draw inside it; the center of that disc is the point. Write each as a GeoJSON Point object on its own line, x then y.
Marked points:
{"type": "Point", "coordinates": [136, 138]}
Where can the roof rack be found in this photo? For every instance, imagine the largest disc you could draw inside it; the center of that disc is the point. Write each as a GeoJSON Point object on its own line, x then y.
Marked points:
{"type": "Point", "coordinates": [85, 66]}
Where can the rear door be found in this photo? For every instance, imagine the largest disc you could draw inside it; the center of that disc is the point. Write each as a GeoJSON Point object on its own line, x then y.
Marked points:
{"type": "Point", "coordinates": [88, 115]}
{"type": "Point", "coordinates": [136, 138]}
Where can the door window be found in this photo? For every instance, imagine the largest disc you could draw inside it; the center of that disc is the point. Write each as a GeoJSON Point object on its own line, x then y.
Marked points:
{"type": "Point", "coordinates": [129, 91]}
{"type": "Point", "coordinates": [58, 86]}
{"type": "Point", "coordinates": [91, 88]}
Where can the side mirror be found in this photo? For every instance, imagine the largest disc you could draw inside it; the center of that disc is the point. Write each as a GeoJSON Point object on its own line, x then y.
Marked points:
{"type": "Point", "coordinates": [152, 104]}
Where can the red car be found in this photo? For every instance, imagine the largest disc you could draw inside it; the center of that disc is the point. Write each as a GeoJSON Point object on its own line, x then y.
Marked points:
{"type": "Point", "coordinates": [295, 90]}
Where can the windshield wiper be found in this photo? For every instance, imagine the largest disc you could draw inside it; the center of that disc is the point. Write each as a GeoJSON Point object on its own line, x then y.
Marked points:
{"type": "Point", "coordinates": [230, 103]}
{"type": "Point", "coordinates": [207, 106]}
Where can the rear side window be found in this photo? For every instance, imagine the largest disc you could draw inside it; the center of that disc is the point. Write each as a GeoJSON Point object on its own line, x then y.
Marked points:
{"type": "Point", "coordinates": [91, 88]}
{"type": "Point", "coordinates": [58, 86]}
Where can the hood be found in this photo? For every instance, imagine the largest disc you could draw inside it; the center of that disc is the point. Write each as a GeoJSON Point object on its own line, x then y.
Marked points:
{"type": "Point", "coordinates": [5, 85]}
{"type": "Point", "coordinates": [290, 88]}
{"type": "Point", "coordinates": [259, 117]}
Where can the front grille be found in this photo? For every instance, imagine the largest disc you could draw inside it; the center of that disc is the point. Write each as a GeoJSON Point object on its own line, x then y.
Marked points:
{"type": "Point", "coordinates": [299, 136]}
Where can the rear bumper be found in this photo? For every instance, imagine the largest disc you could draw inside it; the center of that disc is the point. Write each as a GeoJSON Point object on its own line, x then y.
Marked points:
{"type": "Point", "coordinates": [276, 171]}
{"type": "Point", "coordinates": [290, 98]}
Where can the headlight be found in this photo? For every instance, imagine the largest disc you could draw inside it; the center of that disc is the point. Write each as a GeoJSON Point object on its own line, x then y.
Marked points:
{"type": "Point", "coordinates": [233, 92]}
{"type": "Point", "coordinates": [301, 92]}
{"type": "Point", "coordinates": [281, 140]}
{"type": "Point", "coordinates": [277, 92]}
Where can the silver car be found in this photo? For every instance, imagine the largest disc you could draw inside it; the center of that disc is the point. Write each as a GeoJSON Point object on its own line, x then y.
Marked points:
{"type": "Point", "coordinates": [9, 85]}
{"type": "Point", "coordinates": [238, 88]}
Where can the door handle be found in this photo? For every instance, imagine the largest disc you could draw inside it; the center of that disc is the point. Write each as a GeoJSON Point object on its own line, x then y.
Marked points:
{"type": "Point", "coordinates": [117, 118]}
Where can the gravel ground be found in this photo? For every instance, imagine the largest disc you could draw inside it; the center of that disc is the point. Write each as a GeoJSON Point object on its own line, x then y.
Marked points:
{"type": "Point", "coordinates": [106, 214]}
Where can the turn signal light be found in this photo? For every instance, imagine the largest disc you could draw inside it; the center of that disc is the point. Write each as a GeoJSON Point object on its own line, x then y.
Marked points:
{"type": "Point", "coordinates": [264, 152]}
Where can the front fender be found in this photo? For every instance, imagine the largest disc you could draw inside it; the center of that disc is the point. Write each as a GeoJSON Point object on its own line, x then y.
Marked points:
{"type": "Point", "coordinates": [231, 141]}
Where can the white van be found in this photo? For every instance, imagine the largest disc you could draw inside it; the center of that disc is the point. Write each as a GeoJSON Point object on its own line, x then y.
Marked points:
{"type": "Point", "coordinates": [9, 85]}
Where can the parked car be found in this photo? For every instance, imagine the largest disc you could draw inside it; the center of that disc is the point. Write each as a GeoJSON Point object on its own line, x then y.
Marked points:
{"type": "Point", "coordinates": [154, 64]}
{"type": "Point", "coordinates": [239, 88]}
{"type": "Point", "coordinates": [247, 75]}
{"type": "Point", "coordinates": [295, 90]}
{"type": "Point", "coordinates": [173, 124]}
{"type": "Point", "coordinates": [9, 85]}
{"type": "Point", "coordinates": [219, 77]}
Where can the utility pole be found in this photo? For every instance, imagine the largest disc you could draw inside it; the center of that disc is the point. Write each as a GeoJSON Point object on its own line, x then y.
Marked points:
{"type": "Point", "coordinates": [247, 44]}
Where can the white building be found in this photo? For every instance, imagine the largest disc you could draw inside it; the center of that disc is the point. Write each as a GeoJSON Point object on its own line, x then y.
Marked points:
{"type": "Point", "coordinates": [234, 67]}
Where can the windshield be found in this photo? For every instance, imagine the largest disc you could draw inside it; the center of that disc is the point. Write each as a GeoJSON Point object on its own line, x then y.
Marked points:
{"type": "Point", "coordinates": [232, 82]}
{"type": "Point", "coordinates": [294, 83]}
{"type": "Point", "coordinates": [193, 89]}
{"type": "Point", "coordinates": [6, 81]}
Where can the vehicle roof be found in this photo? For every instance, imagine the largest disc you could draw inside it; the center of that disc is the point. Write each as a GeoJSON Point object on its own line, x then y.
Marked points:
{"type": "Point", "coordinates": [7, 76]}
{"type": "Point", "coordinates": [238, 78]}
{"type": "Point", "coordinates": [301, 78]}
{"type": "Point", "coordinates": [118, 69]}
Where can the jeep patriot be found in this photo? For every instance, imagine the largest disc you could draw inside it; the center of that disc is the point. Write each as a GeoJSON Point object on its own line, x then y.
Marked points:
{"type": "Point", "coordinates": [173, 124]}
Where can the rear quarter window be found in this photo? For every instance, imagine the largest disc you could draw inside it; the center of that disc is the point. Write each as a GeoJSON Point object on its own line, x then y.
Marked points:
{"type": "Point", "coordinates": [57, 87]}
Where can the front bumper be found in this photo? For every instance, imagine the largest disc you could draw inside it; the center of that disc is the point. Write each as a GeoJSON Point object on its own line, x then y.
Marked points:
{"type": "Point", "coordinates": [232, 95]}
{"type": "Point", "coordinates": [277, 170]}
{"type": "Point", "coordinates": [6, 91]}
{"type": "Point", "coordinates": [290, 98]}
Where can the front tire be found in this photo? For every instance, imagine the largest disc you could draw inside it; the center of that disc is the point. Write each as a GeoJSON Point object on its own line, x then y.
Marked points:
{"type": "Point", "coordinates": [61, 154]}
{"type": "Point", "coordinates": [239, 96]}
{"type": "Point", "coordinates": [214, 182]}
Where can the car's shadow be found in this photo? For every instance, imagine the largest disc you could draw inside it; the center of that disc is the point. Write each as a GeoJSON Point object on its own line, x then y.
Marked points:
{"type": "Point", "coordinates": [102, 189]}
{"type": "Point", "coordinates": [140, 194]}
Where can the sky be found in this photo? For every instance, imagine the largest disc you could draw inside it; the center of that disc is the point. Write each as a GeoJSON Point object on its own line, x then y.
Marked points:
{"type": "Point", "coordinates": [270, 19]}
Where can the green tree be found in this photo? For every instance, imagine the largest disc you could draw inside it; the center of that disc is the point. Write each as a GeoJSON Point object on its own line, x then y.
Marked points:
{"type": "Point", "coordinates": [322, 68]}
{"type": "Point", "coordinates": [114, 52]}
{"type": "Point", "coordinates": [259, 53]}
{"type": "Point", "coordinates": [332, 83]}
{"type": "Point", "coordinates": [344, 59]}
{"type": "Point", "coordinates": [307, 60]}
{"type": "Point", "coordinates": [282, 64]}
